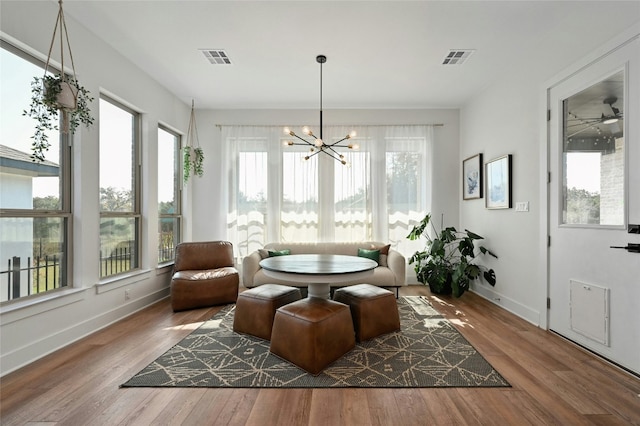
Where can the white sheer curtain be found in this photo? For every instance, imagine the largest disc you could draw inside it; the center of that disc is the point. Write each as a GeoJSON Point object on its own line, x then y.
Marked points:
{"type": "Point", "coordinates": [275, 195]}
{"type": "Point", "coordinates": [251, 155]}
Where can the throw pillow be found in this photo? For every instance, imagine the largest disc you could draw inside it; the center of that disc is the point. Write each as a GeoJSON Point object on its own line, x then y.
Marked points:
{"type": "Point", "coordinates": [264, 253]}
{"type": "Point", "coordinates": [283, 252]}
{"type": "Point", "coordinates": [369, 254]}
{"type": "Point", "coordinates": [384, 252]}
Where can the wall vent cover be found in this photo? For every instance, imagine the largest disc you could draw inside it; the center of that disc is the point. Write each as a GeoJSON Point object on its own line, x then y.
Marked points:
{"type": "Point", "coordinates": [216, 56]}
{"type": "Point", "coordinates": [457, 56]}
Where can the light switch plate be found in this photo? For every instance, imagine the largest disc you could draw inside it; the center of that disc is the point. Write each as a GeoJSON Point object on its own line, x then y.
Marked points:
{"type": "Point", "coordinates": [522, 206]}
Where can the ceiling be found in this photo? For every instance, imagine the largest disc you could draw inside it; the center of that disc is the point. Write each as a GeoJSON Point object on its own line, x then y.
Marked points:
{"type": "Point", "coordinates": [380, 54]}
{"type": "Point", "coordinates": [593, 117]}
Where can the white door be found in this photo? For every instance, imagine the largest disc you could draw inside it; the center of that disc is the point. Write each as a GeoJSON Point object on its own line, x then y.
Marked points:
{"type": "Point", "coordinates": [594, 205]}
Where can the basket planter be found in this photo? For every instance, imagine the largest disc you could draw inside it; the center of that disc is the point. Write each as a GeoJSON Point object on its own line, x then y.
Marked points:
{"type": "Point", "coordinates": [67, 98]}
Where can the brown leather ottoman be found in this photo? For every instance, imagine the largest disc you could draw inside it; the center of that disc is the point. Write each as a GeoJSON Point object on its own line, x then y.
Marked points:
{"type": "Point", "coordinates": [256, 308]}
{"type": "Point", "coordinates": [373, 309]}
{"type": "Point", "coordinates": [312, 333]}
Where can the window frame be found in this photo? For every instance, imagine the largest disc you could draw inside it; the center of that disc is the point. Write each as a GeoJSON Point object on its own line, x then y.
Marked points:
{"type": "Point", "coordinates": [136, 213]}
{"type": "Point", "coordinates": [177, 194]}
{"type": "Point", "coordinates": [64, 213]}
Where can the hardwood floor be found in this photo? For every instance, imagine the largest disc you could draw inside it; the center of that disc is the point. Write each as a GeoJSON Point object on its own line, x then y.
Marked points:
{"type": "Point", "coordinates": [553, 382]}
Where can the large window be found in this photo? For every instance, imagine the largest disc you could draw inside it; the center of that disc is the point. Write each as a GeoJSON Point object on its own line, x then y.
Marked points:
{"type": "Point", "coordinates": [277, 195]}
{"type": "Point", "coordinates": [407, 189]}
{"type": "Point", "coordinates": [299, 215]}
{"type": "Point", "coordinates": [250, 190]}
{"type": "Point", "coordinates": [169, 194]}
{"type": "Point", "coordinates": [119, 188]}
{"type": "Point", "coordinates": [35, 205]}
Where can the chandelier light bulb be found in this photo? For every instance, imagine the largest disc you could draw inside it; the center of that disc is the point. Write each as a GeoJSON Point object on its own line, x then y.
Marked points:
{"type": "Point", "coordinates": [352, 134]}
{"type": "Point", "coordinates": [355, 146]}
{"type": "Point", "coordinates": [319, 142]}
{"type": "Point", "coordinates": [306, 130]}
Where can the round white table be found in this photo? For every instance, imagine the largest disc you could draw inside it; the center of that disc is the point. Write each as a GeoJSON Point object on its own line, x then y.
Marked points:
{"type": "Point", "coordinates": [318, 271]}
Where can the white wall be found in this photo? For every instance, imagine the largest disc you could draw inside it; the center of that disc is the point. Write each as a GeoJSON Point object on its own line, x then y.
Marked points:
{"type": "Point", "coordinates": [510, 118]}
{"type": "Point", "coordinates": [31, 328]}
{"type": "Point", "coordinates": [209, 213]}
{"type": "Point", "coordinates": [512, 236]}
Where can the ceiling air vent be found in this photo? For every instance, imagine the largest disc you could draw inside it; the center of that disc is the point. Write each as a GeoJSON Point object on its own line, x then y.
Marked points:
{"type": "Point", "coordinates": [216, 56]}
{"type": "Point", "coordinates": [457, 57]}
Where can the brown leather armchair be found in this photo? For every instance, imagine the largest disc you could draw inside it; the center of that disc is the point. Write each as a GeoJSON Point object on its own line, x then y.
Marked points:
{"type": "Point", "coordinates": [204, 275]}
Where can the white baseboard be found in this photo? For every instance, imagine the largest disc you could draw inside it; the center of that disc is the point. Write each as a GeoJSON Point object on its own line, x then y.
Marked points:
{"type": "Point", "coordinates": [20, 357]}
{"type": "Point", "coordinates": [516, 308]}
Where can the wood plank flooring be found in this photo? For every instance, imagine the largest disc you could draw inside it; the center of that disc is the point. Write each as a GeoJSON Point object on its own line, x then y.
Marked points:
{"type": "Point", "coordinates": [553, 382]}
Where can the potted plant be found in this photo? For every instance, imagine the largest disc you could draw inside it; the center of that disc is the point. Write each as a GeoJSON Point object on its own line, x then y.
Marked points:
{"type": "Point", "coordinates": [52, 95]}
{"type": "Point", "coordinates": [57, 94]}
{"type": "Point", "coordinates": [192, 154]}
{"type": "Point", "coordinates": [193, 158]}
{"type": "Point", "coordinates": [448, 262]}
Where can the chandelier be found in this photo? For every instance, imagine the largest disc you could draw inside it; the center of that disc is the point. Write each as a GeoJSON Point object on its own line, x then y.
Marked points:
{"type": "Point", "coordinates": [318, 144]}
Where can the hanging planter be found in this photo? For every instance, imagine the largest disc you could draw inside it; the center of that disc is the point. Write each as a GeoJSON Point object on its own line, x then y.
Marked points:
{"type": "Point", "coordinates": [53, 96]}
{"type": "Point", "coordinates": [193, 155]}
{"type": "Point", "coordinates": [66, 94]}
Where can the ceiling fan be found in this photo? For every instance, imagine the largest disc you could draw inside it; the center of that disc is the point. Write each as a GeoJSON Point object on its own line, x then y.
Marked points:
{"type": "Point", "coordinates": [610, 116]}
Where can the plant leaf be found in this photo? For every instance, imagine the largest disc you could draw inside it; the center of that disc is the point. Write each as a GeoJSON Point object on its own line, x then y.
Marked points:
{"type": "Point", "coordinates": [490, 276]}
{"type": "Point", "coordinates": [484, 250]}
{"type": "Point", "coordinates": [418, 229]}
{"type": "Point", "coordinates": [473, 235]}
{"type": "Point", "coordinates": [473, 271]}
{"type": "Point", "coordinates": [466, 247]}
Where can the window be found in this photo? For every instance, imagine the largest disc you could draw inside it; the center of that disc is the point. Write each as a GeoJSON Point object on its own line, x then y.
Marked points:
{"type": "Point", "coordinates": [247, 220]}
{"type": "Point", "coordinates": [277, 195]}
{"type": "Point", "coordinates": [407, 189]}
{"type": "Point", "coordinates": [352, 195]}
{"type": "Point", "coordinates": [35, 205]}
{"type": "Point", "coordinates": [299, 215]}
{"type": "Point", "coordinates": [169, 194]}
{"type": "Point", "coordinates": [119, 188]}
{"type": "Point", "coordinates": [593, 164]}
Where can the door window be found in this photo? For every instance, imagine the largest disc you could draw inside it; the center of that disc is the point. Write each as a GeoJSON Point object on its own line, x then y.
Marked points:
{"type": "Point", "coordinates": [594, 155]}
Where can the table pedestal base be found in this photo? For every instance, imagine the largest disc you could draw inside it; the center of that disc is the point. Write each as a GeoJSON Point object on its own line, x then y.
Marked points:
{"type": "Point", "coordinates": [319, 290]}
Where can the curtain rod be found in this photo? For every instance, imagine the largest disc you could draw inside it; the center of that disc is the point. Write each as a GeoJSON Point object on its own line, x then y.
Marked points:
{"type": "Point", "coordinates": [332, 125]}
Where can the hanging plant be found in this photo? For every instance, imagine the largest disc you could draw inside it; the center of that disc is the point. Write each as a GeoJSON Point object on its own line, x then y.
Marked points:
{"type": "Point", "coordinates": [52, 95]}
{"type": "Point", "coordinates": [193, 155]}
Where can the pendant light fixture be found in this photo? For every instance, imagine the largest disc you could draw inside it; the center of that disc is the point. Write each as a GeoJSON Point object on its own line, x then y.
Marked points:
{"type": "Point", "coordinates": [318, 144]}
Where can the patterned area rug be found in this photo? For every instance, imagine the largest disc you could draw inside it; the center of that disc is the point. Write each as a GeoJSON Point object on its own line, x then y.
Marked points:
{"type": "Point", "coordinates": [427, 352]}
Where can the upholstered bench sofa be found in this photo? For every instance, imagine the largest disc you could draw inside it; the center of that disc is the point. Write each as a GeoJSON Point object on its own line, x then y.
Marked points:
{"type": "Point", "coordinates": [390, 272]}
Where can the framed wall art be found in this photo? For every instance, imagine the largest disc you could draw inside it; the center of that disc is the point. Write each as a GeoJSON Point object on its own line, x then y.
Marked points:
{"type": "Point", "coordinates": [472, 177]}
{"type": "Point", "coordinates": [498, 183]}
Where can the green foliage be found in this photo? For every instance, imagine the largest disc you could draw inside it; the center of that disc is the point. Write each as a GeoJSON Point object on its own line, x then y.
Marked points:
{"type": "Point", "coordinates": [447, 264]}
{"type": "Point", "coordinates": [193, 159]}
{"type": "Point", "coordinates": [44, 109]}
{"type": "Point", "coordinates": [583, 207]}
{"type": "Point", "coordinates": [114, 200]}
{"type": "Point", "coordinates": [50, 202]}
